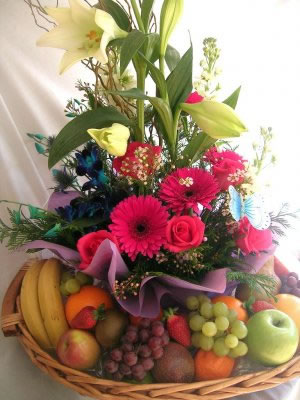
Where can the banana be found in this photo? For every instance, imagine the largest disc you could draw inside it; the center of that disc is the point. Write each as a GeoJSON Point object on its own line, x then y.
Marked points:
{"type": "Point", "coordinates": [50, 300]}
{"type": "Point", "coordinates": [30, 304]}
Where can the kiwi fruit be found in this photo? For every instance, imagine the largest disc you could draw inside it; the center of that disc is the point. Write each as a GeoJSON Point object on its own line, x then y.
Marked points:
{"type": "Point", "coordinates": [175, 366]}
{"type": "Point", "coordinates": [110, 329]}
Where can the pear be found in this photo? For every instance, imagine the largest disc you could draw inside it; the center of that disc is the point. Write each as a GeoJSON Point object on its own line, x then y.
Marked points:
{"type": "Point", "coordinates": [243, 291]}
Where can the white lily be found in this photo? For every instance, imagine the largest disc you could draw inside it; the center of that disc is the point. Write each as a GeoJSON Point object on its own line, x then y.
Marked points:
{"type": "Point", "coordinates": [82, 31]}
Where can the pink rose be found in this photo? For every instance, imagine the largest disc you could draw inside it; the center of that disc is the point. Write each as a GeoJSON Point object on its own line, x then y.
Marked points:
{"type": "Point", "coordinates": [194, 98]}
{"type": "Point", "coordinates": [251, 240]}
{"type": "Point", "coordinates": [227, 167]}
{"type": "Point", "coordinates": [184, 232]}
{"type": "Point", "coordinates": [88, 245]}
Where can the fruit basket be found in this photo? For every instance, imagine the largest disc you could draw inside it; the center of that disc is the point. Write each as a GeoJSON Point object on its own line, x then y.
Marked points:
{"type": "Point", "coordinates": [13, 324]}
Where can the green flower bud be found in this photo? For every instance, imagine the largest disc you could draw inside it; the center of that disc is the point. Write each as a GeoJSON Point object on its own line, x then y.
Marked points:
{"type": "Point", "coordinates": [217, 120]}
{"type": "Point", "coordinates": [170, 14]}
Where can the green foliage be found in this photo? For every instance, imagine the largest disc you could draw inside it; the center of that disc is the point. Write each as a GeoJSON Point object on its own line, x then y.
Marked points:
{"type": "Point", "coordinates": [179, 82]}
{"type": "Point", "coordinates": [146, 12]}
{"type": "Point", "coordinates": [280, 221]}
{"type": "Point", "coordinates": [256, 282]}
{"type": "Point", "coordinates": [118, 14]}
{"type": "Point", "coordinates": [74, 134]}
{"type": "Point", "coordinates": [131, 45]}
{"type": "Point", "coordinates": [172, 57]}
{"type": "Point", "coordinates": [232, 100]}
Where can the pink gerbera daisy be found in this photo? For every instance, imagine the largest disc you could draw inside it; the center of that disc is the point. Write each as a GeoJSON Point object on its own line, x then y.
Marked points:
{"type": "Point", "coordinates": [140, 224]}
{"type": "Point", "coordinates": [187, 187]}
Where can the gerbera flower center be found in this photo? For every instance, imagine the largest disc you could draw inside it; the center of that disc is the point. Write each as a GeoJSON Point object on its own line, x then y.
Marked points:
{"type": "Point", "coordinates": [189, 193]}
{"type": "Point", "coordinates": [141, 228]}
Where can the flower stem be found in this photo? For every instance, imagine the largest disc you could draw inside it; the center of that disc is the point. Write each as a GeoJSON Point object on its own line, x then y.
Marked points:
{"type": "Point", "coordinates": [162, 64]}
{"type": "Point", "coordinates": [137, 15]}
{"type": "Point", "coordinates": [141, 77]}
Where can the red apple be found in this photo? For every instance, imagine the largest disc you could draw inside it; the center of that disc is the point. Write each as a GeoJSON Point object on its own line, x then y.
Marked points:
{"type": "Point", "coordinates": [78, 349]}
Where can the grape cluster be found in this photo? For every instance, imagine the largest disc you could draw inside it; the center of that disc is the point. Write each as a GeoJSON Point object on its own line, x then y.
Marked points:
{"type": "Point", "coordinates": [290, 284]}
{"type": "Point", "coordinates": [71, 284]}
{"type": "Point", "coordinates": [141, 346]}
{"type": "Point", "coordinates": [215, 327]}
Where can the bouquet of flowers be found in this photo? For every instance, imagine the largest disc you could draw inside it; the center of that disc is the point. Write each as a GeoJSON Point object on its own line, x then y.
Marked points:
{"type": "Point", "coordinates": [152, 204]}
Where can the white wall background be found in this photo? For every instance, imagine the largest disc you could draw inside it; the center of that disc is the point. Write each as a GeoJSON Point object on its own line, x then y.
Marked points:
{"type": "Point", "coordinates": [260, 41]}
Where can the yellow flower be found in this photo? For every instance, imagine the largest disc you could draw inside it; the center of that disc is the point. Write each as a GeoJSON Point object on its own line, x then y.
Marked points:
{"type": "Point", "coordinates": [217, 120]}
{"type": "Point", "coordinates": [82, 31]}
{"type": "Point", "coordinates": [113, 140]}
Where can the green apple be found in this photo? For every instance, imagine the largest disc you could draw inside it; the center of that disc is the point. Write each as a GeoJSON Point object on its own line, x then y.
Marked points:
{"type": "Point", "coordinates": [272, 337]}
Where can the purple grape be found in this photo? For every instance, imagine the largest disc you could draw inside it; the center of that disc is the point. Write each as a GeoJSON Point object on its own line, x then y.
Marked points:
{"type": "Point", "coordinates": [131, 336]}
{"type": "Point", "coordinates": [137, 369]}
{"type": "Point", "coordinates": [144, 351]}
{"type": "Point", "coordinates": [132, 328]}
{"type": "Point", "coordinates": [116, 355]}
{"type": "Point", "coordinates": [154, 343]}
{"type": "Point", "coordinates": [127, 347]}
{"type": "Point", "coordinates": [144, 335]}
{"type": "Point", "coordinates": [165, 339]}
{"type": "Point", "coordinates": [294, 274]}
{"type": "Point", "coordinates": [145, 322]}
{"type": "Point", "coordinates": [285, 289]}
{"type": "Point", "coordinates": [296, 292]}
{"type": "Point", "coordinates": [158, 330]}
{"type": "Point", "coordinates": [111, 366]}
{"type": "Point", "coordinates": [130, 358]}
{"type": "Point", "coordinates": [148, 364]}
{"type": "Point", "coordinates": [298, 284]}
{"type": "Point", "coordinates": [118, 376]}
{"type": "Point", "coordinates": [125, 369]}
{"type": "Point", "coordinates": [292, 281]}
{"type": "Point", "coordinates": [283, 279]}
{"type": "Point", "coordinates": [157, 353]}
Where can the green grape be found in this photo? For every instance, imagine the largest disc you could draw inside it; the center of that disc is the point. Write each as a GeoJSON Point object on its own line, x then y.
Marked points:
{"type": "Point", "coordinates": [192, 303]}
{"type": "Point", "coordinates": [206, 310]}
{"type": "Point", "coordinates": [232, 315]}
{"type": "Point", "coordinates": [196, 339]}
{"type": "Point", "coordinates": [220, 348]}
{"type": "Point", "coordinates": [231, 341]}
{"type": "Point", "coordinates": [239, 351]}
{"type": "Point", "coordinates": [72, 286]}
{"type": "Point", "coordinates": [191, 314]}
{"type": "Point", "coordinates": [219, 334]}
{"type": "Point", "coordinates": [63, 290]}
{"type": "Point", "coordinates": [209, 329]}
{"type": "Point", "coordinates": [84, 279]}
{"type": "Point", "coordinates": [66, 276]}
{"type": "Point", "coordinates": [202, 298]}
{"type": "Point", "coordinates": [206, 343]}
{"type": "Point", "coordinates": [196, 322]}
{"type": "Point", "coordinates": [220, 309]}
{"type": "Point", "coordinates": [222, 323]}
{"type": "Point", "coordinates": [239, 329]}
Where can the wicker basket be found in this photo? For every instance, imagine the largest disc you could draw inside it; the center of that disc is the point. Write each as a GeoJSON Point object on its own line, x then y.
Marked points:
{"type": "Point", "coordinates": [12, 324]}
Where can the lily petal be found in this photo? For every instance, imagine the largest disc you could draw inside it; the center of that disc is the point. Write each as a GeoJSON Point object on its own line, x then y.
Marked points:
{"type": "Point", "coordinates": [66, 37]}
{"type": "Point", "coordinates": [60, 15]}
{"type": "Point", "coordinates": [106, 22]}
{"type": "Point", "coordinates": [70, 58]}
{"type": "Point", "coordinates": [81, 13]}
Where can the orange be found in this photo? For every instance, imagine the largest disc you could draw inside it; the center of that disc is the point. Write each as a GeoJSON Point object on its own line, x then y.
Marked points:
{"type": "Point", "coordinates": [209, 366]}
{"type": "Point", "coordinates": [233, 303]}
{"type": "Point", "coordinates": [290, 305]}
{"type": "Point", "coordinates": [87, 296]}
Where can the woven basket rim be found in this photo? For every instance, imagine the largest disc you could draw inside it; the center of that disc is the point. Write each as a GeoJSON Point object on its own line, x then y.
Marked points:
{"type": "Point", "coordinates": [99, 388]}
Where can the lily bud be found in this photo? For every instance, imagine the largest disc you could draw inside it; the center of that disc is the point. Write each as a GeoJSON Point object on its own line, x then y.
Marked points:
{"type": "Point", "coordinates": [170, 14]}
{"type": "Point", "coordinates": [112, 139]}
{"type": "Point", "coordinates": [217, 120]}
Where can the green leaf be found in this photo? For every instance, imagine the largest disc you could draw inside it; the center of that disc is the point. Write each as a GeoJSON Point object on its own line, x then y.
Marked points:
{"type": "Point", "coordinates": [146, 11]}
{"type": "Point", "coordinates": [195, 148]}
{"type": "Point", "coordinates": [172, 57]}
{"type": "Point", "coordinates": [74, 134]}
{"type": "Point", "coordinates": [157, 77]}
{"type": "Point", "coordinates": [160, 105]}
{"type": "Point", "coordinates": [152, 53]}
{"type": "Point", "coordinates": [117, 12]}
{"type": "Point", "coordinates": [132, 43]}
{"type": "Point", "coordinates": [232, 100]}
{"type": "Point", "coordinates": [179, 82]}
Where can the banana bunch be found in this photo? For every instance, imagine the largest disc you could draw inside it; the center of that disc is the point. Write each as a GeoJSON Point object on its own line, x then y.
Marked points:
{"type": "Point", "coordinates": [41, 302]}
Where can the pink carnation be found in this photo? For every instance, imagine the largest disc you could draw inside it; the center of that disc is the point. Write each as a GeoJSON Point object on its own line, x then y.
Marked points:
{"type": "Point", "coordinates": [194, 98]}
